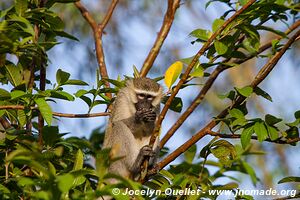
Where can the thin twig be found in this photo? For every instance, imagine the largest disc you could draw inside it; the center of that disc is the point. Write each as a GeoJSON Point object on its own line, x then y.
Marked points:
{"type": "Point", "coordinates": [173, 5]}
{"type": "Point", "coordinates": [20, 107]}
{"type": "Point", "coordinates": [237, 136]}
{"type": "Point", "coordinates": [262, 74]}
{"type": "Point", "coordinates": [213, 76]}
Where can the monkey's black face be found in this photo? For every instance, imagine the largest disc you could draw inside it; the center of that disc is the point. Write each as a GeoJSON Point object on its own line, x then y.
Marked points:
{"type": "Point", "coordinates": [144, 109]}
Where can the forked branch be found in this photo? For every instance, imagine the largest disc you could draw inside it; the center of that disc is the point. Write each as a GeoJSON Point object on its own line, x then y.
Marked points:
{"type": "Point", "coordinates": [98, 32]}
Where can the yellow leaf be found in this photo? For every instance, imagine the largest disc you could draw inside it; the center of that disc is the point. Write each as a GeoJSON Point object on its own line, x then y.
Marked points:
{"type": "Point", "coordinates": [173, 73]}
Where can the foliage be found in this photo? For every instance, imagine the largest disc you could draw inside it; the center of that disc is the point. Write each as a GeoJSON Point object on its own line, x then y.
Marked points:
{"type": "Point", "coordinates": [39, 162]}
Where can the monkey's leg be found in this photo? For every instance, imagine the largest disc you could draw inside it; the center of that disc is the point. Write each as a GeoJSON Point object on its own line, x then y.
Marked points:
{"type": "Point", "coordinates": [146, 151]}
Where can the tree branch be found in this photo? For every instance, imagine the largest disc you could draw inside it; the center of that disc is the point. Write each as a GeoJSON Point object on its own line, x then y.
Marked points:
{"type": "Point", "coordinates": [237, 136]}
{"type": "Point", "coordinates": [213, 76]}
{"type": "Point", "coordinates": [173, 5]}
{"type": "Point", "coordinates": [189, 69]}
{"type": "Point", "coordinates": [98, 32]}
{"type": "Point", "coordinates": [20, 107]}
{"type": "Point", "coordinates": [87, 15]}
{"type": "Point", "coordinates": [266, 69]}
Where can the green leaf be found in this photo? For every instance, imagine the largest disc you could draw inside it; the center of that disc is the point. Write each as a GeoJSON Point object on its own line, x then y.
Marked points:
{"type": "Point", "coordinates": [78, 163]}
{"type": "Point", "coordinates": [250, 171]}
{"type": "Point", "coordinates": [217, 24]}
{"type": "Point", "coordinates": [16, 94]}
{"type": "Point", "coordinates": [290, 179]}
{"type": "Point", "coordinates": [65, 35]}
{"type": "Point", "coordinates": [246, 136]}
{"type": "Point", "coordinates": [190, 154]}
{"type": "Point", "coordinates": [251, 45]}
{"type": "Point", "coordinates": [176, 104]}
{"type": "Point", "coordinates": [136, 72]}
{"type": "Point", "coordinates": [62, 95]}
{"type": "Point", "coordinates": [4, 94]}
{"type": "Point", "coordinates": [297, 114]}
{"type": "Point", "coordinates": [62, 77]}
{"type": "Point", "coordinates": [21, 6]}
{"type": "Point", "coordinates": [230, 95]}
{"type": "Point", "coordinates": [50, 135]}
{"type": "Point", "coordinates": [24, 181]}
{"type": "Point", "coordinates": [4, 190]}
{"type": "Point", "coordinates": [261, 131]}
{"type": "Point", "coordinates": [116, 83]}
{"type": "Point", "coordinates": [45, 110]}
{"type": "Point", "coordinates": [198, 71]}
{"type": "Point", "coordinates": [201, 34]}
{"type": "Point", "coordinates": [224, 151]}
{"type": "Point", "coordinates": [65, 182]}
{"type": "Point", "coordinates": [220, 47]}
{"type": "Point", "coordinates": [236, 113]}
{"type": "Point", "coordinates": [245, 91]}
{"type": "Point", "coordinates": [21, 117]}
{"type": "Point", "coordinates": [14, 74]}
{"type": "Point", "coordinates": [280, 33]}
{"type": "Point", "coordinates": [87, 100]}
{"type": "Point", "coordinates": [262, 93]}
{"type": "Point", "coordinates": [74, 82]}
{"type": "Point", "coordinates": [271, 120]}
{"type": "Point", "coordinates": [273, 132]}
{"type": "Point", "coordinates": [79, 93]}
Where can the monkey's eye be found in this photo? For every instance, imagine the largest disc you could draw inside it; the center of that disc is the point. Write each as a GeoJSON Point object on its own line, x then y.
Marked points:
{"type": "Point", "coordinates": [140, 96]}
{"type": "Point", "coordinates": [149, 98]}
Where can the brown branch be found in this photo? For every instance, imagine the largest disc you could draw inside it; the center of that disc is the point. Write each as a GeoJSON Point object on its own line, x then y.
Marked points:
{"type": "Point", "coordinates": [213, 76]}
{"type": "Point", "coordinates": [189, 69]}
{"type": "Point", "coordinates": [20, 107]}
{"type": "Point", "coordinates": [87, 15]}
{"type": "Point", "coordinates": [266, 69]}
{"type": "Point", "coordinates": [98, 32]}
{"type": "Point", "coordinates": [40, 117]}
{"type": "Point", "coordinates": [173, 5]}
{"type": "Point", "coordinates": [108, 15]}
{"type": "Point", "coordinates": [81, 115]}
{"type": "Point", "coordinates": [237, 136]}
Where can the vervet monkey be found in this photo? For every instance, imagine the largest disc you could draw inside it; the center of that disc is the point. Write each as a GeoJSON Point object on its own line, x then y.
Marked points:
{"type": "Point", "coordinates": [129, 129]}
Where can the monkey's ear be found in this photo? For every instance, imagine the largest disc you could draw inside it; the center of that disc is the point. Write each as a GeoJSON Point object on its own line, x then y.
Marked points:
{"type": "Point", "coordinates": [157, 100]}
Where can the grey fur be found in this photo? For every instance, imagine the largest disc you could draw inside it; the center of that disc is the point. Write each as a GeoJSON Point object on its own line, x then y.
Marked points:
{"type": "Point", "coordinates": [126, 135]}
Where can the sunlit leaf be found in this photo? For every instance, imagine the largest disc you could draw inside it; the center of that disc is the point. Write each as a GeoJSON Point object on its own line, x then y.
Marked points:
{"type": "Point", "coordinates": [173, 73]}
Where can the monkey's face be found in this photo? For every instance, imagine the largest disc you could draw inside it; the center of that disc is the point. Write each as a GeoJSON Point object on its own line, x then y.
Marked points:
{"type": "Point", "coordinates": [144, 109]}
{"type": "Point", "coordinates": [144, 102]}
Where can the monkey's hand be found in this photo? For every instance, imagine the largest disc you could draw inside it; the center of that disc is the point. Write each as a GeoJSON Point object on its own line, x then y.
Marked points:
{"type": "Point", "coordinates": [145, 152]}
{"type": "Point", "coordinates": [145, 115]}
